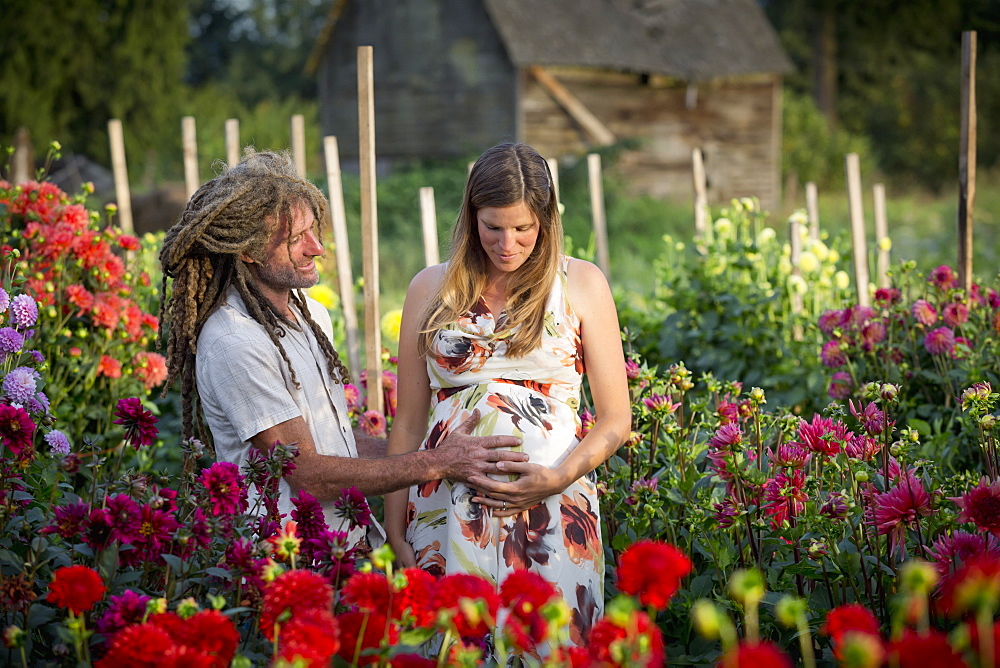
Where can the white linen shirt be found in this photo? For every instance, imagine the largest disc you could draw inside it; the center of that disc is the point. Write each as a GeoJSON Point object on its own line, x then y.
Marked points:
{"type": "Point", "coordinates": [245, 387]}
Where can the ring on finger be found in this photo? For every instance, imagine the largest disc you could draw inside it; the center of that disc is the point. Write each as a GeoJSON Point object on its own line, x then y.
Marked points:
{"type": "Point", "coordinates": [505, 505]}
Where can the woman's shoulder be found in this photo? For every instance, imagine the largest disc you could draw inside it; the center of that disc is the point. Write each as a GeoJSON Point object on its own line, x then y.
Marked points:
{"type": "Point", "coordinates": [427, 282]}
{"type": "Point", "coordinates": [581, 271]}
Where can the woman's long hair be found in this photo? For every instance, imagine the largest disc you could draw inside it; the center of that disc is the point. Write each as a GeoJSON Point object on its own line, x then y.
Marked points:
{"type": "Point", "coordinates": [505, 175]}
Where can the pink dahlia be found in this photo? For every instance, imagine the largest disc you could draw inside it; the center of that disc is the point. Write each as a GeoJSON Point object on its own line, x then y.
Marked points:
{"type": "Point", "coordinates": [950, 551]}
{"type": "Point", "coordinates": [792, 455]}
{"type": "Point", "coordinates": [139, 423]}
{"type": "Point", "coordinates": [981, 506]}
{"type": "Point", "coordinates": [823, 435]}
{"type": "Point", "coordinates": [940, 341]}
{"type": "Point", "coordinates": [841, 385]}
{"type": "Point", "coordinates": [832, 354]}
{"type": "Point", "coordinates": [16, 428]}
{"type": "Point", "coordinates": [955, 314]}
{"type": "Point", "coordinates": [353, 506]}
{"type": "Point", "coordinates": [785, 496]}
{"type": "Point", "coordinates": [373, 423]}
{"type": "Point", "coordinates": [225, 489]}
{"type": "Point", "coordinates": [872, 334]}
{"type": "Point", "coordinates": [129, 608]}
{"type": "Point", "coordinates": [726, 437]}
{"type": "Point", "coordinates": [901, 507]}
{"type": "Point", "coordinates": [943, 277]}
{"type": "Point", "coordinates": [888, 296]}
{"type": "Point", "coordinates": [923, 312]}
{"type": "Point", "coordinates": [830, 320]}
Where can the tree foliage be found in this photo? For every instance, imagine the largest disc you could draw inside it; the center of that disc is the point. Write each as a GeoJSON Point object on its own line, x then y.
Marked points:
{"type": "Point", "coordinates": [66, 72]}
{"type": "Point", "coordinates": [898, 75]}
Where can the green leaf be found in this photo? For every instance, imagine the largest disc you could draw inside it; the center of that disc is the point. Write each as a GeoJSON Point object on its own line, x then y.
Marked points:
{"type": "Point", "coordinates": [40, 614]}
{"type": "Point", "coordinates": [175, 562]}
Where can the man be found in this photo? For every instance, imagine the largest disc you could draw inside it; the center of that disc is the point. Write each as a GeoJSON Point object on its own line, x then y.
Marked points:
{"type": "Point", "coordinates": [254, 354]}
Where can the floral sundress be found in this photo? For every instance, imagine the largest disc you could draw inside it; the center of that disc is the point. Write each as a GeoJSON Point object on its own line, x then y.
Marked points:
{"type": "Point", "coordinates": [536, 398]}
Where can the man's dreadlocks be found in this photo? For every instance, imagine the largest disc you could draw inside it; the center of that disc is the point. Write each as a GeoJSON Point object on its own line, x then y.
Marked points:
{"type": "Point", "coordinates": [232, 215]}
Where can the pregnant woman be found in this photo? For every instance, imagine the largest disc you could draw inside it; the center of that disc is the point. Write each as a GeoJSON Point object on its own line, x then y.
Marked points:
{"type": "Point", "coordinates": [506, 329]}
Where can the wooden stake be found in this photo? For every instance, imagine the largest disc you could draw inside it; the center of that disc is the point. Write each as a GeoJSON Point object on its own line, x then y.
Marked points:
{"type": "Point", "coordinates": [882, 241]}
{"type": "Point", "coordinates": [795, 244]}
{"type": "Point", "coordinates": [120, 170]}
{"type": "Point", "coordinates": [190, 143]}
{"type": "Point", "coordinates": [554, 170]}
{"type": "Point", "coordinates": [369, 226]}
{"type": "Point", "coordinates": [345, 277]}
{"type": "Point", "coordinates": [967, 161]}
{"type": "Point", "coordinates": [812, 210]}
{"type": "Point", "coordinates": [299, 144]}
{"type": "Point", "coordinates": [428, 222]}
{"type": "Point", "coordinates": [853, 166]}
{"type": "Point", "coordinates": [23, 160]}
{"type": "Point", "coordinates": [232, 141]}
{"type": "Point", "coordinates": [701, 224]}
{"type": "Point", "coordinates": [597, 212]}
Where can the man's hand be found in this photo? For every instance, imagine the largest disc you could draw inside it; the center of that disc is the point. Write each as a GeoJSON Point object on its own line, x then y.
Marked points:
{"type": "Point", "coordinates": [463, 456]}
{"type": "Point", "coordinates": [534, 484]}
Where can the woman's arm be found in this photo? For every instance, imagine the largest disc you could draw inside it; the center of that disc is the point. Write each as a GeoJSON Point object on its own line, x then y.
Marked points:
{"type": "Point", "coordinates": [591, 299]}
{"type": "Point", "coordinates": [414, 396]}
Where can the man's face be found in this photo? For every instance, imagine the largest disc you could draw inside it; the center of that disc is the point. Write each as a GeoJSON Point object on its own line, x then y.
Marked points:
{"type": "Point", "coordinates": [289, 262]}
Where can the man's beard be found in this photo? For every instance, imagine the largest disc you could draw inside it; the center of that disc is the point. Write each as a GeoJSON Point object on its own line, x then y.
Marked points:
{"type": "Point", "coordinates": [286, 277]}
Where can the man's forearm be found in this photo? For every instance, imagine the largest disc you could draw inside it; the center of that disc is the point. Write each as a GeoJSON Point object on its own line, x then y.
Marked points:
{"type": "Point", "coordinates": [369, 447]}
{"type": "Point", "coordinates": [324, 477]}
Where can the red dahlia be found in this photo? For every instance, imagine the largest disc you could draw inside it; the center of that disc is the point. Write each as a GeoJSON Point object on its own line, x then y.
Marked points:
{"type": "Point", "coordinates": [296, 592]}
{"type": "Point", "coordinates": [76, 588]}
{"type": "Point", "coordinates": [312, 637]}
{"type": "Point", "coordinates": [849, 617]}
{"type": "Point", "coordinates": [753, 655]}
{"type": "Point", "coordinates": [139, 646]}
{"type": "Point", "coordinates": [638, 643]}
{"type": "Point", "coordinates": [652, 571]}
{"type": "Point", "coordinates": [368, 592]}
{"type": "Point", "coordinates": [415, 597]}
{"type": "Point", "coordinates": [476, 620]}
{"type": "Point", "coordinates": [916, 651]}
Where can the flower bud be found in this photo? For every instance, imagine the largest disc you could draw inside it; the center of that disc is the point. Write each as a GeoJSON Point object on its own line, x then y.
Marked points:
{"type": "Point", "coordinates": [707, 619]}
{"type": "Point", "coordinates": [988, 422]}
{"type": "Point", "coordinates": [187, 608]}
{"type": "Point", "coordinates": [918, 577]}
{"type": "Point", "coordinates": [888, 391]}
{"type": "Point", "coordinates": [790, 610]}
{"type": "Point", "coordinates": [382, 557]}
{"type": "Point", "coordinates": [13, 637]}
{"type": "Point", "coordinates": [757, 396]}
{"type": "Point", "coordinates": [861, 476]}
{"type": "Point", "coordinates": [746, 586]}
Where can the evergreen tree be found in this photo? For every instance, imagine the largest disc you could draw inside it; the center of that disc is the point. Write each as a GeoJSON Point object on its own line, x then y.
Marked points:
{"type": "Point", "coordinates": [70, 67]}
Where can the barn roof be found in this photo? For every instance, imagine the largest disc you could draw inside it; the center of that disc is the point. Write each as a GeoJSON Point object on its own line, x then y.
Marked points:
{"type": "Point", "coordinates": [693, 40]}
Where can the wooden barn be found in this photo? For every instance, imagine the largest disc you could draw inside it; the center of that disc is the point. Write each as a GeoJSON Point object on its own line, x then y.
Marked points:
{"type": "Point", "coordinates": [453, 77]}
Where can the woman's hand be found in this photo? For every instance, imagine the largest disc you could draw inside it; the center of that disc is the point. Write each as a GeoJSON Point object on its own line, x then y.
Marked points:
{"type": "Point", "coordinates": [534, 484]}
{"type": "Point", "coordinates": [405, 556]}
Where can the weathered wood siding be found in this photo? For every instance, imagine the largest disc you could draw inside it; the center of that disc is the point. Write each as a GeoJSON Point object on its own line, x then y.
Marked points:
{"type": "Point", "coordinates": [444, 85]}
{"type": "Point", "coordinates": [735, 122]}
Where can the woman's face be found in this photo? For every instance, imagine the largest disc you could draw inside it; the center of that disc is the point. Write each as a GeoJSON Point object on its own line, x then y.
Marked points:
{"type": "Point", "coordinates": [508, 235]}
